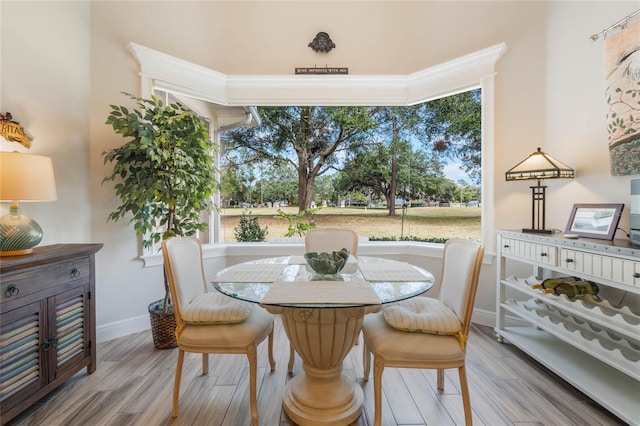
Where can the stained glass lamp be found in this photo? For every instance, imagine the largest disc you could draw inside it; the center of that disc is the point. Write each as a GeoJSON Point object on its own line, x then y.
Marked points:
{"type": "Point", "coordinates": [539, 165]}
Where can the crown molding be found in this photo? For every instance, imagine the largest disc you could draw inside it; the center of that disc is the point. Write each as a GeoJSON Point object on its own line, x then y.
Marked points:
{"type": "Point", "coordinates": [174, 74]}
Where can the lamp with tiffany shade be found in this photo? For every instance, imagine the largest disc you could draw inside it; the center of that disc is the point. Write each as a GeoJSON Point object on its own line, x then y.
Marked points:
{"type": "Point", "coordinates": [539, 165]}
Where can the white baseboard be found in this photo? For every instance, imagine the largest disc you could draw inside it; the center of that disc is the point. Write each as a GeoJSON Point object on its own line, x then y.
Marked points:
{"type": "Point", "coordinates": [483, 317]}
{"type": "Point", "coordinates": [488, 318]}
{"type": "Point", "coordinates": [122, 328]}
{"type": "Point", "coordinates": [141, 323]}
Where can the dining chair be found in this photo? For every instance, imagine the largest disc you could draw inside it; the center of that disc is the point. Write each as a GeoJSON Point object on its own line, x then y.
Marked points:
{"type": "Point", "coordinates": [326, 240]}
{"type": "Point", "coordinates": [211, 322]}
{"type": "Point", "coordinates": [424, 332]}
{"type": "Point", "coordinates": [331, 239]}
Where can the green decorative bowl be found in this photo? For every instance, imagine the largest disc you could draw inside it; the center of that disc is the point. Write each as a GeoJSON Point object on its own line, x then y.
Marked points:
{"type": "Point", "coordinates": [327, 263]}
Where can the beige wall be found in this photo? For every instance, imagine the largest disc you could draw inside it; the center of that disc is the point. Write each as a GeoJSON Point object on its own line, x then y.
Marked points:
{"type": "Point", "coordinates": [44, 73]}
{"type": "Point", "coordinates": [63, 63]}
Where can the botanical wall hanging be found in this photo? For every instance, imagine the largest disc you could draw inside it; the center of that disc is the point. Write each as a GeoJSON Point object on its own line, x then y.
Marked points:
{"type": "Point", "coordinates": [622, 70]}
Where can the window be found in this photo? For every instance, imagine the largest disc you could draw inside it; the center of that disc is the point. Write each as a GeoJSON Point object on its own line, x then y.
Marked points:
{"type": "Point", "coordinates": [476, 69]}
{"type": "Point", "coordinates": [382, 172]}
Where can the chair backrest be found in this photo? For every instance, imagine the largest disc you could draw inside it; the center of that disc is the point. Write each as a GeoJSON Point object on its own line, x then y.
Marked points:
{"type": "Point", "coordinates": [331, 239]}
{"type": "Point", "coordinates": [185, 272]}
{"type": "Point", "coordinates": [461, 264]}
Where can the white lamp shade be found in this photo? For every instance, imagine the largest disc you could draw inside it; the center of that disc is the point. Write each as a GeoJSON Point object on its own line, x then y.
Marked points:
{"type": "Point", "coordinates": [26, 178]}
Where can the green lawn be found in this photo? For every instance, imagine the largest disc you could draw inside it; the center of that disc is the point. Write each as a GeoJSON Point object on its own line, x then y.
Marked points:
{"type": "Point", "coordinates": [419, 222]}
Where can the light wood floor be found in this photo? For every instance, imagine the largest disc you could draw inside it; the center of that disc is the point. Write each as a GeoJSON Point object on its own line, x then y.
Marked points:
{"type": "Point", "coordinates": [133, 386]}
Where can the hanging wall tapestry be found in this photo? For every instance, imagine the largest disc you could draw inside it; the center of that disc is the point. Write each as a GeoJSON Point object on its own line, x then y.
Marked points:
{"type": "Point", "coordinates": [622, 71]}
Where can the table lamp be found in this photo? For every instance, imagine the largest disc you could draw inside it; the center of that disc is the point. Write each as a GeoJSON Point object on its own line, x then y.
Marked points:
{"type": "Point", "coordinates": [23, 178]}
{"type": "Point", "coordinates": [539, 165]}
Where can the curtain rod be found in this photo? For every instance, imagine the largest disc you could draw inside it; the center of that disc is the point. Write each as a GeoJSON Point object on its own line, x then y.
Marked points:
{"type": "Point", "coordinates": [621, 23]}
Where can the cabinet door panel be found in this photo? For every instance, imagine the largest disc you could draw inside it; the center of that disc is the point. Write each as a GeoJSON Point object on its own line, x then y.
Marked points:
{"type": "Point", "coordinates": [22, 368]}
{"type": "Point", "coordinates": [69, 321]}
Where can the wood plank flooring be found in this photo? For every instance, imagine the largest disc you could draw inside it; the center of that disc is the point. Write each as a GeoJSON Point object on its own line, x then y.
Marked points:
{"type": "Point", "coordinates": [134, 381]}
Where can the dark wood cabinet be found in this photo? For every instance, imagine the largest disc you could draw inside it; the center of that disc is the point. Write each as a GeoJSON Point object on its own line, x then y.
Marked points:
{"type": "Point", "coordinates": [47, 322]}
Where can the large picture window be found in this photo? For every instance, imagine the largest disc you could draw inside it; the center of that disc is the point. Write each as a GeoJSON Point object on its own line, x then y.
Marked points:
{"type": "Point", "coordinates": [390, 173]}
{"type": "Point", "coordinates": [474, 70]}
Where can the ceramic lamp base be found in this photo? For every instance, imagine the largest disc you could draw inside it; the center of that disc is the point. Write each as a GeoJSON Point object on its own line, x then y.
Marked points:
{"type": "Point", "coordinates": [18, 233]}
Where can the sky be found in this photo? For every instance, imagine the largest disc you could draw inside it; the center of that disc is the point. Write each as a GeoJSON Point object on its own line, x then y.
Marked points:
{"type": "Point", "coordinates": [455, 173]}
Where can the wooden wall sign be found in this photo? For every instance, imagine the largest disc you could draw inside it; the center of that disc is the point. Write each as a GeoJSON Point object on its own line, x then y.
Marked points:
{"type": "Point", "coordinates": [13, 131]}
{"type": "Point", "coordinates": [325, 70]}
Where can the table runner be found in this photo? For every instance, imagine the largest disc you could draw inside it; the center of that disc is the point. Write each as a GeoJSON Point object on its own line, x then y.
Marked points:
{"type": "Point", "coordinates": [321, 292]}
{"type": "Point", "coordinates": [252, 273]}
{"type": "Point", "coordinates": [395, 271]}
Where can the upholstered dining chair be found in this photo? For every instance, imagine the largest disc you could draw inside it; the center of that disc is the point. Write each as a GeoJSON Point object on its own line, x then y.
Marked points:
{"type": "Point", "coordinates": [326, 240]}
{"type": "Point", "coordinates": [424, 332]}
{"type": "Point", "coordinates": [331, 239]}
{"type": "Point", "coordinates": [211, 322]}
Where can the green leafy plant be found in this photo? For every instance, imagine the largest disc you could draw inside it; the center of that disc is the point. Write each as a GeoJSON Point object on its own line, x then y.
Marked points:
{"type": "Point", "coordinates": [248, 229]}
{"type": "Point", "coordinates": [164, 174]}
{"type": "Point", "coordinates": [298, 223]}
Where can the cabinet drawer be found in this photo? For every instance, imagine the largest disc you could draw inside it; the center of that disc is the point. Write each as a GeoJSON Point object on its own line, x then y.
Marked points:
{"type": "Point", "coordinates": [540, 253]}
{"type": "Point", "coordinates": [27, 282]}
{"type": "Point", "coordinates": [607, 267]}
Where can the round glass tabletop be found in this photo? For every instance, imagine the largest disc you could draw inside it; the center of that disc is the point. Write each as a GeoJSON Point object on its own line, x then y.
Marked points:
{"type": "Point", "coordinates": [391, 280]}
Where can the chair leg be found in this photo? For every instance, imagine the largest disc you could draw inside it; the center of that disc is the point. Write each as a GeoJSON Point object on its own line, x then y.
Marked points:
{"type": "Point", "coordinates": [366, 361]}
{"type": "Point", "coordinates": [205, 364]}
{"type": "Point", "coordinates": [378, 367]}
{"type": "Point", "coordinates": [253, 373]}
{"type": "Point", "coordinates": [272, 361]}
{"type": "Point", "coordinates": [292, 358]}
{"type": "Point", "coordinates": [440, 379]}
{"type": "Point", "coordinates": [176, 383]}
{"type": "Point", "coordinates": [466, 402]}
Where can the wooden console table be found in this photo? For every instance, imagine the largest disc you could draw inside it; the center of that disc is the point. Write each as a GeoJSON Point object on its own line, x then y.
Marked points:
{"type": "Point", "coordinates": [47, 322]}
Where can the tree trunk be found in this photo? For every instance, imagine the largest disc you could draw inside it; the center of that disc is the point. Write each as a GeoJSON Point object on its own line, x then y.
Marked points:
{"type": "Point", "coordinates": [392, 186]}
{"type": "Point", "coordinates": [306, 180]}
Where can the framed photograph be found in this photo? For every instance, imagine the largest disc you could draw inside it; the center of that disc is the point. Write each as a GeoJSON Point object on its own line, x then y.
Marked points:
{"type": "Point", "coordinates": [594, 220]}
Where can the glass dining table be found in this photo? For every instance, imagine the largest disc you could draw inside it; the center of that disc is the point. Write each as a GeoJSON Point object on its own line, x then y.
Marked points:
{"type": "Point", "coordinates": [322, 317]}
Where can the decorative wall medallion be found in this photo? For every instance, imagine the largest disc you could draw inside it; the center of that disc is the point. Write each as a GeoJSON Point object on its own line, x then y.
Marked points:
{"type": "Point", "coordinates": [322, 43]}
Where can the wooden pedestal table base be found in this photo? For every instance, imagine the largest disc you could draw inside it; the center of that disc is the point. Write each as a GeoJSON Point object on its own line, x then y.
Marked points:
{"type": "Point", "coordinates": [321, 394]}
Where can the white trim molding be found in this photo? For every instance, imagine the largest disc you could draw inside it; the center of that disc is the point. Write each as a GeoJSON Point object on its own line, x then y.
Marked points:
{"type": "Point", "coordinates": [179, 76]}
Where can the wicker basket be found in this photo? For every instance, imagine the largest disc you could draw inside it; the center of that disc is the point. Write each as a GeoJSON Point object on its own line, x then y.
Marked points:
{"type": "Point", "coordinates": [163, 326]}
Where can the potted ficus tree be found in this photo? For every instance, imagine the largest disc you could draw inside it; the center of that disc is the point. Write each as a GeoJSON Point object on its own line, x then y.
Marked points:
{"type": "Point", "coordinates": [164, 177]}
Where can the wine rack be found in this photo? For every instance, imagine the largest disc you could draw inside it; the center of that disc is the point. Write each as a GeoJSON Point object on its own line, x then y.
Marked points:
{"type": "Point", "coordinates": [591, 342]}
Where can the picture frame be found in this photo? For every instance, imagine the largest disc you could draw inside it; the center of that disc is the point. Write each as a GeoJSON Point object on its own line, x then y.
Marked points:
{"type": "Point", "coordinates": [598, 221]}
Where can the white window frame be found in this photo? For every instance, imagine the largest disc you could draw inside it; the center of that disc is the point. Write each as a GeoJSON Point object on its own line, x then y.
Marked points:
{"type": "Point", "coordinates": [159, 70]}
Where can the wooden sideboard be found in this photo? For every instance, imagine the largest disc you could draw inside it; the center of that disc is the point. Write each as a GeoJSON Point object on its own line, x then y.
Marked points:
{"type": "Point", "coordinates": [47, 322]}
{"type": "Point", "coordinates": [591, 342]}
